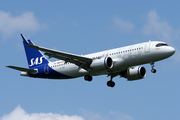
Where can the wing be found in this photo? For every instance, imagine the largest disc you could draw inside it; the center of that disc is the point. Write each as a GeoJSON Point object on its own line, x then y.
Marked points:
{"type": "Point", "coordinates": [22, 69]}
{"type": "Point", "coordinates": [82, 62]}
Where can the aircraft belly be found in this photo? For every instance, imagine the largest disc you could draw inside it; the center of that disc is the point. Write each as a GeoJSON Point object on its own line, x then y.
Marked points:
{"type": "Point", "coordinates": [69, 70]}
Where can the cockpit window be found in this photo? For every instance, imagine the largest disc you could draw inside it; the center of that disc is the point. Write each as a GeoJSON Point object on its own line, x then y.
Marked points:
{"type": "Point", "coordinates": [161, 44]}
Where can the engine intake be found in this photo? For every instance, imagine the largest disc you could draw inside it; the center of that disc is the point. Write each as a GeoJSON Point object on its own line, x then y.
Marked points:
{"type": "Point", "coordinates": [108, 62]}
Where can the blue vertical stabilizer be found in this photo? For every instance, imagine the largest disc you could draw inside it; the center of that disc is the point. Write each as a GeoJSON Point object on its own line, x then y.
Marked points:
{"type": "Point", "coordinates": [34, 57]}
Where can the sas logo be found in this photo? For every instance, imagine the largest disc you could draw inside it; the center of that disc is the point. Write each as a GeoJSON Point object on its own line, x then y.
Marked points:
{"type": "Point", "coordinates": [36, 61]}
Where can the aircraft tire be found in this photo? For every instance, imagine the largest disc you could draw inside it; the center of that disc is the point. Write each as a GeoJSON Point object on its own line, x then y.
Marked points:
{"type": "Point", "coordinates": [153, 70]}
{"type": "Point", "coordinates": [88, 78]}
{"type": "Point", "coordinates": [110, 83]}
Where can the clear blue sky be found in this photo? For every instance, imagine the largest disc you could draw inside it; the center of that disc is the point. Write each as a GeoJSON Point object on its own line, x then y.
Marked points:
{"type": "Point", "coordinates": [83, 27]}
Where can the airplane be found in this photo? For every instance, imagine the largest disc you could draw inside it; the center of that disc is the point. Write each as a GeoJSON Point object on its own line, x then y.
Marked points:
{"type": "Point", "coordinates": [123, 61]}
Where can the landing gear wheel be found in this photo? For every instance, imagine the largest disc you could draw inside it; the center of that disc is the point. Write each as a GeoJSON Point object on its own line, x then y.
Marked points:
{"type": "Point", "coordinates": [110, 83]}
{"type": "Point", "coordinates": [153, 70]}
{"type": "Point", "coordinates": [88, 78]}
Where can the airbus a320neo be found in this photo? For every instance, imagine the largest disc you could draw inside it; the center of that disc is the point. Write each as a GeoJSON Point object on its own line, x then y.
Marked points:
{"type": "Point", "coordinates": [123, 61]}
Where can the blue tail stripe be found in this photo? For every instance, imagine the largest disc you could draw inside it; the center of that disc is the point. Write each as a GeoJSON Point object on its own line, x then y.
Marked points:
{"type": "Point", "coordinates": [52, 74]}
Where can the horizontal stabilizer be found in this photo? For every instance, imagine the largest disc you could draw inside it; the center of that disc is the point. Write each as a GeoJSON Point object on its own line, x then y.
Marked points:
{"type": "Point", "coordinates": [23, 69]}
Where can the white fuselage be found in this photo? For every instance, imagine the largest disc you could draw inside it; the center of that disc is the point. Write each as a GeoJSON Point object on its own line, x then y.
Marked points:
{"type": "Point", "coordinates": [123, 58]}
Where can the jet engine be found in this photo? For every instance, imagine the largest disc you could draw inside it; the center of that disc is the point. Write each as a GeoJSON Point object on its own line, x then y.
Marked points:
{"type": "Point", "coordinates": [103, 63]}
{"type": "Point", "coordinates": [135, 73]}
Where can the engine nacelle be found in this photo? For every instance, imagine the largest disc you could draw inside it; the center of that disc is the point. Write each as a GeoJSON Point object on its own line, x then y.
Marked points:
{"type": "Point", "coordinates": [103, 63]}
{"type": "Point", "coordinates": [135, 73]}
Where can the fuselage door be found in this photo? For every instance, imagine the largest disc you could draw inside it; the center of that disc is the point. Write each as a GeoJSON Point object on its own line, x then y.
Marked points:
{"type": "Point", "coordinates": [147, 46]}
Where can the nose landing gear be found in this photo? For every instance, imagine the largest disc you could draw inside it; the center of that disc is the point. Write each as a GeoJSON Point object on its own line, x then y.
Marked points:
{"type": "Point", "coordinates": [152, 66]}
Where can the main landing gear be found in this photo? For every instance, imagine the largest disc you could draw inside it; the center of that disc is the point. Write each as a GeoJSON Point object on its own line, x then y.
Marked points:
{"type": "Point", "coordinates": [111, 83]}
{"type": "Point", "coordinates": [152, 66]}
{"type": "Point", "coordinates": [88, 78]}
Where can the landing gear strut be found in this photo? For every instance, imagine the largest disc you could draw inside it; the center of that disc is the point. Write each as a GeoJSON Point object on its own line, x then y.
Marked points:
{"type": "Point", "coordinates": [152, 66]}
{"type": "Point", "coordinates": [111, 83]}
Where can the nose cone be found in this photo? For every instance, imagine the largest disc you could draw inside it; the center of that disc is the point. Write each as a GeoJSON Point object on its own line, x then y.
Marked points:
{"type": "Point", "coordinates": [171, 51]}
{"type": "Point", "coordinates": [164, 52]}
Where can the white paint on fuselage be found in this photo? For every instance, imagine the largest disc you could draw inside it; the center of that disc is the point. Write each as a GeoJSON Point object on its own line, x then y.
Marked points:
{"type": "Point", "coordinates": [123, 58]}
